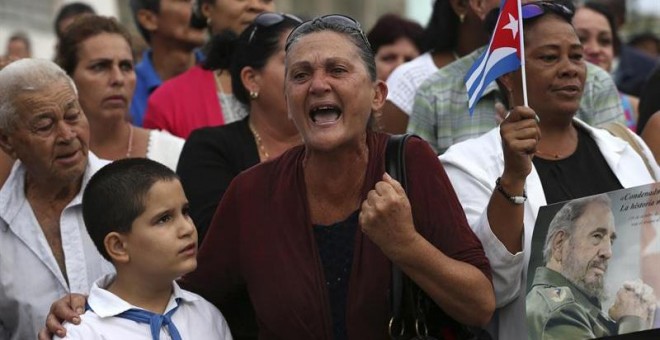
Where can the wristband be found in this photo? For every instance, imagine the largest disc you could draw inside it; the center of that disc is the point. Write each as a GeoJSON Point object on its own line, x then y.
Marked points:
{"type": "Point", "coordinates": [512, 198]}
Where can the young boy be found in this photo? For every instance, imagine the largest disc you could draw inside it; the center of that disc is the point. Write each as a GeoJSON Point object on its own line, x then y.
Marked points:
{"type": "Point", "coordinates": [137, 216]}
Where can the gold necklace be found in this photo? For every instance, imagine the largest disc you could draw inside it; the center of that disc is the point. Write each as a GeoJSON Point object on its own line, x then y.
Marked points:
{"type": "Point", "coordinates": [130, 141]}
{"type": "Point", "coordinates": [551, 155]}
{"type": "Point", "coordinates": [260, 144]}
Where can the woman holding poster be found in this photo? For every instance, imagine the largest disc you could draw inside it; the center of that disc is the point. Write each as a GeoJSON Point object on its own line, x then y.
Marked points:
{"type": "Point", "coordinates": [539, 155]}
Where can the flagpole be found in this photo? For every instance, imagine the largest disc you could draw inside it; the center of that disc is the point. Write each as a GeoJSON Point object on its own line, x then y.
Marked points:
{"type": "Point", "coordinates": [522, 53]}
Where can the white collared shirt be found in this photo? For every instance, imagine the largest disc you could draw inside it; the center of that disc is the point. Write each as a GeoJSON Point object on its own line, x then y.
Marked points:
{"type": "Point", "coordinates": [404, 81]}
{"type": "Point", "coordinates": [195, 318]}
{"type": "Point", "coordinates": [30, 279]}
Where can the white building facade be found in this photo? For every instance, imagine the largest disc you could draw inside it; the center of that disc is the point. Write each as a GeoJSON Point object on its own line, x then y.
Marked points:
{"type": "Point", "coordinates": [36, 19]}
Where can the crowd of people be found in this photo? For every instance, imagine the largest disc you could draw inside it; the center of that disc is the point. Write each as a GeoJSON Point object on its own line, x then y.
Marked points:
{"type": "Point", "coordinates": [229, 180]}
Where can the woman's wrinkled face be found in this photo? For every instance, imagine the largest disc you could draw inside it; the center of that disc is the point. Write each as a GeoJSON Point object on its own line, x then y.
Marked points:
{"type": "Point", "coordinates": [235, 15]}
{"type": "Point", "coordinates": [555, 67]}
{"type": "Point", "coordinates": [390, 56]}
{"type": "Point", "coordinates": [105, 76]}
{"type": "Point", "coordinates": [596, 36]}
{"type": "Point", "coordinates": [329, 92]}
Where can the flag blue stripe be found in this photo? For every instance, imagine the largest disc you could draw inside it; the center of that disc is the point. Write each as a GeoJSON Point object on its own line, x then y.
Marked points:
{"type": "Point", "coordinates": [505, 64]}
{"type": "Point", "coordinates": [491, 65]}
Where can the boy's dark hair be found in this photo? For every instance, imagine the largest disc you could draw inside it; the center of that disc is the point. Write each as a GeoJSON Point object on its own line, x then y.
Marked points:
{"type": "Point", "coordinates": [114, 196]}
{"type": "Point", "coordinates": [70, 10]}
{"type": "Point", "coordinates": [150, 5]}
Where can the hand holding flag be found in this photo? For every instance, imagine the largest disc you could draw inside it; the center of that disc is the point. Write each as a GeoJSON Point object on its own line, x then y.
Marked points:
{"type": "Point", "coordinates": [505, 53]}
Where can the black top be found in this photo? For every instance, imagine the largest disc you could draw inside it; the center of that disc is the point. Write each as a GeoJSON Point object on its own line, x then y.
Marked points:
{"type": "Point", "coordinates": [583, 173]}
{"type": "Point", "coordinates": [335, 243]}
{"type": "Point", "coordinates": [210, 159]}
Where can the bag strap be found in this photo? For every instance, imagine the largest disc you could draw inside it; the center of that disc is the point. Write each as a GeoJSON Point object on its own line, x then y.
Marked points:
{"type": "Point", "coordinates": [409, 303]}
{"type": "Point", "coordinates": [395, 158]}
{"type": "Point", "coordinates": [619, 130]}
{"type": "Point", "coordinates": [395, 166]}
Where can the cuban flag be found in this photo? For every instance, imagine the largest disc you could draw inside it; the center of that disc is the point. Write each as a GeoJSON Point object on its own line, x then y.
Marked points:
{"type": "Point", "coordinates": [502, 56]}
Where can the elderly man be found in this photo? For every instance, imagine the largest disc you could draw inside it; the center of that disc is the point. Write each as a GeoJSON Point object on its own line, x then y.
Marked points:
{"type": "Point", "coordinates": [45, 251]}
{"type": "Point", "coordinates": [566, 296]}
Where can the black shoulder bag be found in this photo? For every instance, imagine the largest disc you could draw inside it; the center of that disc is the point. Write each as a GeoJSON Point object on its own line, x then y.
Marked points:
{"type": "Point", "coordinates": [414, 315]}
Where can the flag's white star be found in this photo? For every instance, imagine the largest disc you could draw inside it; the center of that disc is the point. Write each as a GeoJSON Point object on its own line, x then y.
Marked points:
{"type": "Point", "coordinates": [512, 25]}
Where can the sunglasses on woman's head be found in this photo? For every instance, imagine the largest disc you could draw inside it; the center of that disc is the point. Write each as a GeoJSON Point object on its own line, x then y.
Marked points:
{"type": "Point", "coordinates": [268, 19]}
{"type": "Point", "coordinates": [535, 9]}
{"type": "Point", "coordinates": [333, 19]}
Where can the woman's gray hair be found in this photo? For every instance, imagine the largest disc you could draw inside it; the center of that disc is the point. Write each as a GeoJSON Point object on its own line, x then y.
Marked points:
{"type": "Point", "coordinates": [26, 75]}
{"type": "Point", "coordinates": [354, 32]}
{"type": "Point", "coordinates": [566, 217]}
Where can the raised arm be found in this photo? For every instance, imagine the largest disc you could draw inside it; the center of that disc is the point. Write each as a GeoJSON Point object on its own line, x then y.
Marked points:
{"type": "Point", "coordinates": [520, 134]}
{"type": "Point", "coordinates": [473, 168]}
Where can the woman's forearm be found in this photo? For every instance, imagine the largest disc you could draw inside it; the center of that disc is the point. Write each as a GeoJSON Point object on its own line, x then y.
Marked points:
{"type": "Point", "coordinates": [459, 288]}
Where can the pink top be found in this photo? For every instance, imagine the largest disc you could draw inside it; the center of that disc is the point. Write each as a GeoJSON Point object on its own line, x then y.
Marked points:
{"type": "Point", "coordinates": [184, 103]}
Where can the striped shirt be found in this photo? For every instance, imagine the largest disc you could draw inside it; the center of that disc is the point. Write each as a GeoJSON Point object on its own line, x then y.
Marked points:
{"type": "Point", "coordinates": [440, 111]}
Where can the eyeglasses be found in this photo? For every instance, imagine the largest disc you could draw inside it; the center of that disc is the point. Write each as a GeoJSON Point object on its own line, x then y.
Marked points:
{"type": "Point", "coordinates": [268, 19]}
{"type": "Point", "coordinates": [331, 19]}
{"type": "Point", "coordinates": [535, 9]}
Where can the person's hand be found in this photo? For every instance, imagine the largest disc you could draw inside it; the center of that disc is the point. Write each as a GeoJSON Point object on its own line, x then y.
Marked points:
{"type": "Point", "coordinates": [646, 293]}
{"type": "Point", "coordinates": [520, 134]}
{"type": "Point", "coordinates": [68, 308]}
{"type": "Point", "coordinates": [635, 298]}
{"type": "Point", "coordinates": [386, 217]}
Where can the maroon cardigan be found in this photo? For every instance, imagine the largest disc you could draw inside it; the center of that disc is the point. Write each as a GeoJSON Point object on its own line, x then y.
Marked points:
{"type": "Point", "coordinates": [261, 239]}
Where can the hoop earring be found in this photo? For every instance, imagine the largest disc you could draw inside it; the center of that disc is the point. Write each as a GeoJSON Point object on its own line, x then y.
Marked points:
{"type": "Point", "coordinates": [254, 94]}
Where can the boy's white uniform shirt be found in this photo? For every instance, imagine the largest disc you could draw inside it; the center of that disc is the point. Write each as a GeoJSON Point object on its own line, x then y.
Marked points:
{"type": "Point", "coordinates": [195, 317]}
{"type": "Point", "coordinates": [30, 278]}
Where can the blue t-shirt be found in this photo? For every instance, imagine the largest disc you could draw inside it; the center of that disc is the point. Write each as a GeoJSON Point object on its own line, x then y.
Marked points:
{"type": "Point", "coordinates": [147, 81]}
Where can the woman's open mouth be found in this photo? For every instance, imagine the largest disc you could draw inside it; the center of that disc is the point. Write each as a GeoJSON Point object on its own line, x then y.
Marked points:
{"type": "Point", "coordinates": [325, 114]}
